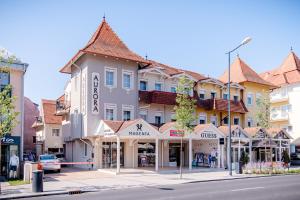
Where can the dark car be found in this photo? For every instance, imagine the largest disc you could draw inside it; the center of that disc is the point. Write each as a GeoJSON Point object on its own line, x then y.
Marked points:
{"type": "Point", "coordinates": [295, 159]}
{"type": "Point", "coordinates": [61, 158]}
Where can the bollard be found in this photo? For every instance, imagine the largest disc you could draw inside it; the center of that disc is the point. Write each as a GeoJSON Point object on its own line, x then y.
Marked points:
{"type": "Point", "coordinates": [37, 181]}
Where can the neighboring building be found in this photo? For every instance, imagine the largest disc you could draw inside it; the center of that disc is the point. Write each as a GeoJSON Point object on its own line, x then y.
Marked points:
{"type": "Point", "coordinates": [48, 126]}
{"type": "Point", "coordinates": [13, 143]}
{"type": "Point", "coordinates": [31, 111]}
{"type": "Point", "coordinates": [254, 88]}
{"type": "Point", "coordinates": [285, 107]}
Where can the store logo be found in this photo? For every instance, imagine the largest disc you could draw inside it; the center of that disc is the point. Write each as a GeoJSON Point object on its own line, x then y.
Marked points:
{"type": "Point", "coordinates": [6, 140]}
{"type": "Point", "coordinates": [139, 127]}
{"type": "Point", "coordinates": [95, 93]}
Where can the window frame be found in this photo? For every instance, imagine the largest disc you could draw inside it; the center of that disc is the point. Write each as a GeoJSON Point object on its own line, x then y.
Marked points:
{"type": "Point", "coordinates": [129, 108]}
{"type": "Point", "coordinates": [110, 106]}
{"type": "Point", "coordinates": [115, 71]}
{"type": "Point", "coordinates": [234, 118]}
{"type": "Point", "coordinates": [55, 134]}
{"type": "Point", "coordinates": [252, 98]}
{"type": "Point", "coordinates": [131, 81]}
{"type": "Point", "coordinates": [161, 86]}
{"type": "Point", "coordinates": [143, 80]}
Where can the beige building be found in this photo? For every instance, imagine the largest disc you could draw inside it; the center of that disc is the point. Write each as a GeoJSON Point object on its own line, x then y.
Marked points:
{"type": "Point", "coordinates": [13, 74]}
{"type": "Point", "coordinates": [48, 126]}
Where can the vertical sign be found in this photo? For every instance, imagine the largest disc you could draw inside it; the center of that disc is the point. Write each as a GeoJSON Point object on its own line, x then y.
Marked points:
{"type": "Point", "coordinates": [95, 93]}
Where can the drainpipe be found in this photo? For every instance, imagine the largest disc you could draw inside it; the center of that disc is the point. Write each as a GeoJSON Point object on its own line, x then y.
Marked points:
{"type": "Point", "coordinates": [22, 113]}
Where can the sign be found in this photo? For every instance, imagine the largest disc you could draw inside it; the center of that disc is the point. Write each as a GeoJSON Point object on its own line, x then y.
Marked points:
{"type": "Point", "coordinates": [10, 140]}
{"type": "Point", "coordinates": [208, 135]}
{"type": "Point", "coordinates": [139, 131]}
{"type": "Point", "coordinates": [176, 133]}
{"type": "Point", "coordinates": [95, 93]}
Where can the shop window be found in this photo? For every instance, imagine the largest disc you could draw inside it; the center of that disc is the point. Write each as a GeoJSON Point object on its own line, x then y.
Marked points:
{"type": "Point", "coordinates": [109, 154]}
{"type": "Point", "coordinates": [146, 154]}
{"type": "Point", "coordinates": [128, 80]}
{"type": "Point", "coordinates": [55, 132]}
{"type": "Point", "coordinates": [143, 85]}
{"type": "Point", "coordinates": [158, 86]}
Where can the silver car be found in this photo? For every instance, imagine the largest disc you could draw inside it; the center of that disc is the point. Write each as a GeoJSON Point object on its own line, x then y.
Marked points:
{"type": "Point", "coordinates": [50, 162]}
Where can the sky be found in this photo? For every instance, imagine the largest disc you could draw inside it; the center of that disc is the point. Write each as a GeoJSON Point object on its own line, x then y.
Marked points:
{"type": "Point", "coordinates": [188, 34]}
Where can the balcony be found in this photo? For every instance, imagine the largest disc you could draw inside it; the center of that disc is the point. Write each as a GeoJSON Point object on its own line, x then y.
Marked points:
{"type": "Point", "coordinates": [279, 116]}
{"type": "Point", "coordinates": [158, 97]}
{"type": "Point", "coordinates": [222, 105]}
{"type": "Point", "coordinates": [62, 108]}
{"type": "Point", "coordinates": [38, 122]}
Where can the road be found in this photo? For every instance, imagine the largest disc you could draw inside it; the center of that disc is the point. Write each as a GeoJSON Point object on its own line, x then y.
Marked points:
{"type": "Point", "coordinates": [266, 188]}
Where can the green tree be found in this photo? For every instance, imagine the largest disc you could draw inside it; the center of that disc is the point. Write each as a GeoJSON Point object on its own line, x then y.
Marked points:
{"type": "Point", "coordinates": [8, 115]}
{"type": "Point", "coordinates": [263, 112]}
{"type": "Point", "coordinates": [185, 109]}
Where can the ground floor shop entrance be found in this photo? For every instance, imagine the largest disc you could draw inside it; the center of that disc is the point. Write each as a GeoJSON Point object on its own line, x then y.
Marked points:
{"type": "Point", "coordinates": [146, 154]}
{"type": "Point", "coordinates": [175, 154]}
{"type": "Point", "coordinates": [109, 156]}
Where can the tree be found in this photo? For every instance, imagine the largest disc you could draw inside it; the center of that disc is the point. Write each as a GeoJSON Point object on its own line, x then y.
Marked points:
{"type": "Point", "coordinates": [185, 110]}
{"type": "Point", "coordinates": [8, 115]}
{"type": "Point", "coordinates": [263, 112]}
{"type": "Point", "coordinates": [286, 158]}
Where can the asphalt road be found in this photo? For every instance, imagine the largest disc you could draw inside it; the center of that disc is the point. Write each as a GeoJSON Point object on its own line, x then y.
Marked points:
{"type": "Point", "coordinates": [266, 188]}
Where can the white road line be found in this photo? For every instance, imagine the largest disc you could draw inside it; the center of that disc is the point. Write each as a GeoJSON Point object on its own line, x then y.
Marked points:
{"type": "Point", "coordinates": [242, 189]}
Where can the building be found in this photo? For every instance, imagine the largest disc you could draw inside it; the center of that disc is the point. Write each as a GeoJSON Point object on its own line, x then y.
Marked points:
{"type": "Point", "coordinates": [254, 88]}
{"type": "Point", "coordinates": [48, 126]}
{"type": "Point", "coordinates": [284, 99]}
{"type": "Point", "coordinates": [117, 108]}
{"type": "Point", "coordinates": [13, 75]}
{"type": "Point", "coordinates": [31, 111]}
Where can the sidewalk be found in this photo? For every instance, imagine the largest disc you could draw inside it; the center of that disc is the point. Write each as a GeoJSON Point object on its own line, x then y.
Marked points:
{"type": "Point", "coordinates": [89, 181]}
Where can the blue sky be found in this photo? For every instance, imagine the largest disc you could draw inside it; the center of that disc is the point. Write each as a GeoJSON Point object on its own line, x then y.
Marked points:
{"type": "Point", "coordinates": [192, 35]}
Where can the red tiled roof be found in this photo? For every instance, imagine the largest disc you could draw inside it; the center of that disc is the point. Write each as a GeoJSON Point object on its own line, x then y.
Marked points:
{"type": "Point", "coordinates": [49, 109]}
{"type": "Point", "coordinates": [158, 97]}
{"type": "Point", "coordinates": [114, 125]}
{"type": "Point", "coordinates": [222, 105]}
{"type": "Point", "coordinates": [105, 42]}
{"type": "Point", "coordinates": [240, 72]}
{"type": "Point", "coordinates": [288, 72]}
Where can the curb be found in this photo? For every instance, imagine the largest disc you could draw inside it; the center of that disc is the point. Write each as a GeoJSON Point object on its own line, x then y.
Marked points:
{"type": "Point", "coordinates": [34, 195]}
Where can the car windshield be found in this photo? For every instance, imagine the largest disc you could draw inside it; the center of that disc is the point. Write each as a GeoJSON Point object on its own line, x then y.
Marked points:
{"type": "Point", "coordinates": [47, 157]}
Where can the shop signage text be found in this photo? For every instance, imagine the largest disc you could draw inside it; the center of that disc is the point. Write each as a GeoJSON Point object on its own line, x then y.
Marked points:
{"type": "Point", "coordinates": [139, 131]}
{"type": "Point", "coordinates": [95, 93]}
{"type": "Point", "coordinates": [208, 135]}
{"type": "Point", "coordinates": [176, 133]}
{"type": "Point", "coordinates": [10, 140]}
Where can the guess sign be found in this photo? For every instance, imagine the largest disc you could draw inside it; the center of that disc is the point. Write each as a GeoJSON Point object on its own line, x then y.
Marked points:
{"type": "Point", "coordinates": [208, 135]}
{"type": "Point", "coordinates": [95, 93]}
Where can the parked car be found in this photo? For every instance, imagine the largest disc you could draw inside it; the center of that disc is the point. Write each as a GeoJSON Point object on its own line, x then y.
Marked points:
{"type": "Point", "coordinates": [61, 158]}
{"type": "Point", "coordinates": [49, 162]}
{"type": "Point", "coordinates": [295, 159]}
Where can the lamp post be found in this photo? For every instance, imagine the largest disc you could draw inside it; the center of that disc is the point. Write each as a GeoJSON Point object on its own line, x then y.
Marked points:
{"type": "Point", "coordinates": [245, 41]}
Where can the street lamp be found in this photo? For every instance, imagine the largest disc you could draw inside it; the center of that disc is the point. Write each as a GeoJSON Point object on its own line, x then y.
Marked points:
{"type": "Point", "coordinates": [245, 41]}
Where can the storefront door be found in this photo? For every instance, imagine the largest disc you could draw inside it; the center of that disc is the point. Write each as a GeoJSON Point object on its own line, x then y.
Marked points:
{"type": "Point", "coordinates": [109, 155]}
{"type": "Point", "coordinates": [146, 154]}
{"type": "Point", "coordinates": [174, 154]}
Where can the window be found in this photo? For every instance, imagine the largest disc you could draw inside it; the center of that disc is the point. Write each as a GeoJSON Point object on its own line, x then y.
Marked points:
{"type": "Point", "coordinates": [4, 78]}
{"type": "Point", "coordinates": [143, 114]}
{"type": "Point", "coordinates": [225, 96]}
{"type": "Point", "coordinates": [225, 120]}
{"type": "Point", "coordinates": [235, 98]}
{"type": "Point", "coordinates": [173, 117]}
{"type": "Point", "coordinates": [158, 86]}
{"type": "Point", "coordinates": [236, 120]}
{"type": "Point", "coordinates": [250, 99]}
{"type": "Point", "coordinates": [33, 139]}
{"type": "Point", "coordinates": [202, 94]}
{"type": "Point", "coordinates": [158, 120]}
{"type": "Point", "coordinates": [202, 119]}
{"type": "Point", "coordinates": [173, 89]}
{"type": "Point", "coordinates": [213, 95]}
{"type": "Point", "coordinates": [127, 111]}
{"type": "Point", "coordinates": [127, 80]}
{"type": "Point", "coordinates": [143, 85]}
{"type": "Point", "coordinates": [110, 111]}
{"type": "Point", "coordinates": [110, 77]}
{"type": "Point", "coordinates": [55, 132]}
{"type": "Point", "coordinates": [213, 120]}
{"type": "Point", "coordinates": [85, 149]}
{"type": "Point", "coordinates": [250, 122]}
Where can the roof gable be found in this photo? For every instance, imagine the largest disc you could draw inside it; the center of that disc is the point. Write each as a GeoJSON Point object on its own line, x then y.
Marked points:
{"type": "Point", "coordinates": [48, 112]}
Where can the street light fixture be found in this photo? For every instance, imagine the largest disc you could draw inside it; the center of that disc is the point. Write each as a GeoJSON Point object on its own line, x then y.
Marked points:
{"type": "Point", "coordinates": [245, 41]}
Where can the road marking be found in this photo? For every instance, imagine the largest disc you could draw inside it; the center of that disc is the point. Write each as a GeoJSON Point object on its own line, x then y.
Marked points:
{"type": "Point", "coordinates": [242, 189]}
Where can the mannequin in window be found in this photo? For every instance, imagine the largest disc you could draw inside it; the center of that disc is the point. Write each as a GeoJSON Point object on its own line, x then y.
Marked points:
{"type": "Point", "coordinates": [13, 165]}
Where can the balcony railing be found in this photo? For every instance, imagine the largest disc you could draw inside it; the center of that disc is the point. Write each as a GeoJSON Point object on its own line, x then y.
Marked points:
{"type": "Point", "coordinates": [38, 122]}
{"type": "Point", "coordinates": [62, 108]}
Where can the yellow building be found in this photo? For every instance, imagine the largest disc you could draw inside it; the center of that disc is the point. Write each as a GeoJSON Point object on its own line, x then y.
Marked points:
{"type": "Point", "coordinates": [254, 88]}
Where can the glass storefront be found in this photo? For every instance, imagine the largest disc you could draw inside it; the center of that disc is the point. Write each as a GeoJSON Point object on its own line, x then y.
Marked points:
{"type": "Point", "coordinates": [146, 154]}
{"type": "Point", "coordinates": [9, 147]}
{"type": "Point", "coordinates": [109, 154]}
